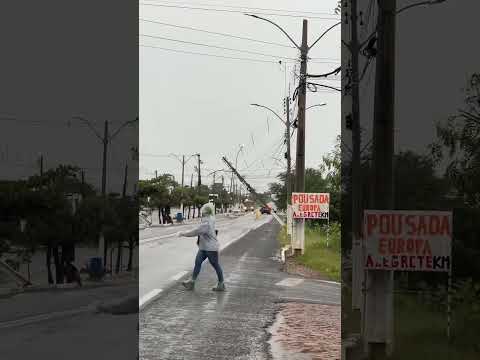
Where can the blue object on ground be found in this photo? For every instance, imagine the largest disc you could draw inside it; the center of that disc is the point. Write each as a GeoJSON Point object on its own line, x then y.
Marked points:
{"type": "Point", "coordinates": [95, 267]}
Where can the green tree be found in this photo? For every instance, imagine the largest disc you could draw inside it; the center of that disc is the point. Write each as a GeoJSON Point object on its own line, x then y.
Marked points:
{"type": "Point", "coordinates": [458, 144]}
{"type": "Point", "coordinates": [460, 136]}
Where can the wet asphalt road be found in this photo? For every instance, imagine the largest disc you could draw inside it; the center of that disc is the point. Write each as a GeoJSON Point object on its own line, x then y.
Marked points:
{"type": "Point", "coordinates": [165, 257]}
{"type": "Point", "coordinates": [231, 325]}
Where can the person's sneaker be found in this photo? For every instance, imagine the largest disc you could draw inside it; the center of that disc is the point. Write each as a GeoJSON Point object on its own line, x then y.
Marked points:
{"type": "Point", "coordinates": [219, 287]}
{"type": "Point", "coordinates": [189, 284]}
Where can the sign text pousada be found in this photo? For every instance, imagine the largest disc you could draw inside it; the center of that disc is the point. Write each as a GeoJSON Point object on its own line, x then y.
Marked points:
{"type": "Point", "coordinates": [408, 240]}
{"type": "Point", "coordinates": [310, 205]}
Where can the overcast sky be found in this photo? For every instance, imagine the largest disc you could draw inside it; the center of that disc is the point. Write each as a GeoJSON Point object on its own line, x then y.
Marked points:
{"type": "Point", "coordinates": [61, 59]}
{"type": "Point", "coordinates": [193, 103]}
{"type": "Point", "coordinates": [436, 53]}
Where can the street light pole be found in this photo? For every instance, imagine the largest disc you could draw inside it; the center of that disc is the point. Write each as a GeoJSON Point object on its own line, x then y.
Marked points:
{"type": "Point", "coordinates": [105, 139]}
{"type": "Point", "coordinates": [299, 244]}
{"type": "Point", "coordinates": [300, 156]}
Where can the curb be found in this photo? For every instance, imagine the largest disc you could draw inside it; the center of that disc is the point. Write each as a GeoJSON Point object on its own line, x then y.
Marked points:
{"type": "Point", "coordinates": [159, 292]}
{"type": "Point", "coordinates": [72, 288]}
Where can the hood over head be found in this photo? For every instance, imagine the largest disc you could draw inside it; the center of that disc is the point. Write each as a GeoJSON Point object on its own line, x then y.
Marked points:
{"type": "Point", "coordinates": [207, 210]}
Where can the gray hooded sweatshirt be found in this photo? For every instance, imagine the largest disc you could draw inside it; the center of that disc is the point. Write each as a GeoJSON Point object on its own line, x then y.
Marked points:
{"type": "Point", "coordinates": [206, 230]}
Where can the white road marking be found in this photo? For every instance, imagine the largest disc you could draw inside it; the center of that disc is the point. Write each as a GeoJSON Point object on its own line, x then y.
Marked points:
{"type": "Point", "coordinates": [43, 317]}
{"type": "Point", "coordinates": [144, 241]}
{"type": "Point", "coordinates": [179, 275]}
{"type": "Point", "coordinates": [289, 282]}
{"type": "Point", "coordinates": [328, 282]}
{"type": "Point", "coordinates": [144, 300]}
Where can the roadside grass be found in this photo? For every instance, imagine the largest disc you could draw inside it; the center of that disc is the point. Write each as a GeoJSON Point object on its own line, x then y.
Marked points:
{"type": "Point", "coordinates": [421, 331]}
{"type": "Point", "coordinates": [318, 256]}
{"type": "Point", "coordinates": [282, 237]}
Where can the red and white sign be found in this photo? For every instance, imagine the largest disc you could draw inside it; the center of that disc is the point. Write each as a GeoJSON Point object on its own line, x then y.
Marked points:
{"type": "Point", "coordinates": [310, 205]}
{"type": "Point", "coordinates": [407, 240]}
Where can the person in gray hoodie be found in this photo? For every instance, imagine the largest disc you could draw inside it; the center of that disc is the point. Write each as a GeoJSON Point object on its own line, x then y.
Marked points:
{"type": "Point", "coordinates": [208, 247]}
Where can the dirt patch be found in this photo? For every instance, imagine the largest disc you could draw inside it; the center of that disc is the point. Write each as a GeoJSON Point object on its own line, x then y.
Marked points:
{"type": "Point", "coordinates": [293, 268]}
{"type": "Point", "coordinates": [307, 331]}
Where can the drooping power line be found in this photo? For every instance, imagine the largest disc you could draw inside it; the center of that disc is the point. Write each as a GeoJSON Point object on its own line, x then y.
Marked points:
{"type": "Point", "coordinates": [238, 11]}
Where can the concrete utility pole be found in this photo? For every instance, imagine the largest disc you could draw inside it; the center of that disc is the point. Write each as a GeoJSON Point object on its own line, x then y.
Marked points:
{"type": "Point", "coordinates": [41, 165]}
{"type": "Point", "coordinates": [199, 172]}
{"type": "Point", "coordinates": [124, 190]}
{"type": "Point", "coordinates": [105, 139]}
{"type": "Point", "coordinates": [302, 94]}
{"type": "Point", "coordinates": [83, 183]}
{"type": "Point", "coordinates": [183, 171]}
{"type": "Point", "coordinates": [357, 263]}
{"type": "Point", "coordinates": [379, 296]}
{"type": "Point", "coordinates": [299, 244]}
{"type": "Point", "coordinates": [104, 167]}
{"type": "Point", "coordinates": [183, 185]}
{"type": "Point", "coordinates": [288, 178]}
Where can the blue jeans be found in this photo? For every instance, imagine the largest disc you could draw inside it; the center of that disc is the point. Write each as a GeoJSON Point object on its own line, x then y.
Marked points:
{"type": "Point", "coordinates": [212, 257]}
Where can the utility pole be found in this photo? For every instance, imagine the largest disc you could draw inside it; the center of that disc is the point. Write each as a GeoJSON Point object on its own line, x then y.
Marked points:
{"type": "Point", "coordinates": [104, 167]}
{"type": "Point", "coordinates": [302, 93]}
{"type": "Point", "coordinates": [41, 165]}
{"type": "Point", "coordinates": [124, 191]}
{"type": "Point", "coordinates": [299, 246]}
{"type": "Point", "coordinates": [183, 170]}
{"type": "Point", "coordinates": [183, 185]}
{"type": "Point", "coordinates": [357, 263]}
{"type": "Point", "coordinates": [199, 172]}
{"type": "Point", "coordinates": [156, 174]}
{"type": "Point", "coordinates": [83, 183]}
{"type": "Point", "coordinates": [288, 179]}
{"type": "Point", "coordinates": [379, 296]}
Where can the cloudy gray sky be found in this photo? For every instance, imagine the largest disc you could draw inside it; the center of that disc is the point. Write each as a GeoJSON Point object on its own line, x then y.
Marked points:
{"type": "Point", "coordinates": [193, 103]}
{"type": "Point", "coordinates": [61, 60]}
{"type": "Point", "coordinates": [435, 56]}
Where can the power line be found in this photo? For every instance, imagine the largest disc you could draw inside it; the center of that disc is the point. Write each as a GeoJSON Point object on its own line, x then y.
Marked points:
{"type": "Point", "coordinates": [66, 123]}
{"type": "Point", "coordinates": [217, 47]}
{"type": "Point", "coordinates": [237, 11]}
{"type": "Point", "coordinates": [251, 8]}
{"type": "Point", "coordinates": [211, 55]}
{"type": "Point", "coordinates": [218, 33]}
{"type": "Point", "coordinates": [154, 155]}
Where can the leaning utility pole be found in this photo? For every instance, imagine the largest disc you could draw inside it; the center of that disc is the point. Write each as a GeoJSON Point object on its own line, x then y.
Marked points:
{"type": "Point", "coordinates": [242, 180]}
{"type": "Point", "coordinates": [299, 245]}
{"type": "Point", "coordinates": [379, 295]}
